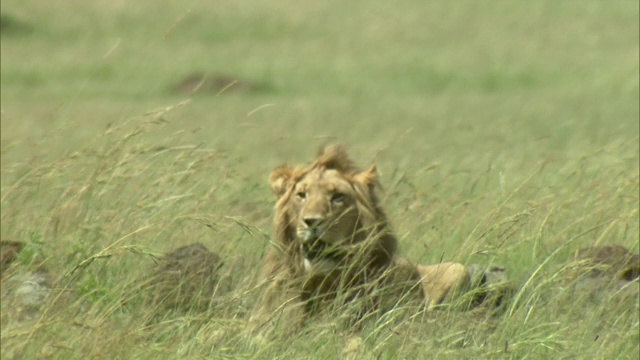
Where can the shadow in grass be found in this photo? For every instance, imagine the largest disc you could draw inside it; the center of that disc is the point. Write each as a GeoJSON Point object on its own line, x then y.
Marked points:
{"type": "Point", "coordinates": [200, 83]}
{"type": "Point", "coordinates": [433, 79]}
{"type": "Point", "coordinates": [11, 25]}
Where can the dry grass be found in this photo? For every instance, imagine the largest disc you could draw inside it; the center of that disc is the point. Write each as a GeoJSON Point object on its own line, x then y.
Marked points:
{"type": "Point", "coordinates": [504, 133]}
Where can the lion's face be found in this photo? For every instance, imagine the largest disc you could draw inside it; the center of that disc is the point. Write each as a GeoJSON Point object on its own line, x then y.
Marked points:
{"type": "Point", "coordinates": [323, 210]}
{"type": "Point", "coordinates": [325, 215]}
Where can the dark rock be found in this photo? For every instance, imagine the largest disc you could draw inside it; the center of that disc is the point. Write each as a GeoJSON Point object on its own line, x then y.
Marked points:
{"type": "Point", "coordinates": [603, 274]}
{"type": "Point", "coordinates": [9, 253]}
{"type": "Point", "coordinates": [184, 279]}
{"type": "Point", "coordinates": [489, 285]}
{"type": "Point", "coordinates": [611, 261]}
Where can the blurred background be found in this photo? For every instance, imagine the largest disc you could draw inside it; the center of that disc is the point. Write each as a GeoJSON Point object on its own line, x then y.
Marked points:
{"type": "Point", "coordinates": [505, 131]}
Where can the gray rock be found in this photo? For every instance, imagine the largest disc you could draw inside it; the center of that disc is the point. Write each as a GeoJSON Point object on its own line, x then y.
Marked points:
{"type": "Point", "coordinates": [489, 284]}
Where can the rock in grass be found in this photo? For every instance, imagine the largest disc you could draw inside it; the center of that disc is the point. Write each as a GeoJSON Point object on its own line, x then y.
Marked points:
{"type": "Point", "coordinates": [9, 253]}
{"type": "Point", "coordinates": [24, 295]}
{"type": "Point", "coordinates": [184, 279]}
{"type": "Point", "coordinates": [610, 261]}
{"type": "Point", "coordinates": [604, 274]}
{"type": "Point", "coordinates": [489, 284]}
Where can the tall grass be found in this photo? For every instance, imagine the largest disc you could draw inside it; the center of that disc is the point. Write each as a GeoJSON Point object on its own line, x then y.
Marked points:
{"type": "Point", "coordinates": [505, 133]}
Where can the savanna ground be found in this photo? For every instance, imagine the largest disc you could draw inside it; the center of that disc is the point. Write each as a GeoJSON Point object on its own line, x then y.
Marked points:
{"type": "Point", "coordinates": [505, 132]}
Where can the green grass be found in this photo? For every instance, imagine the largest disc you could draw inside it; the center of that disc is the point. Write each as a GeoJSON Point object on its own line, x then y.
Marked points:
{"type": "Point", "coordinates": [505, 132]}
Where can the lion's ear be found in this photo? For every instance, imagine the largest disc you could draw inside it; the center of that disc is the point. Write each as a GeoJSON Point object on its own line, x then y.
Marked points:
{"type": "Point", "coordinates": [368, 177]}
{"type": "Point", "coordinates": [279, 180]}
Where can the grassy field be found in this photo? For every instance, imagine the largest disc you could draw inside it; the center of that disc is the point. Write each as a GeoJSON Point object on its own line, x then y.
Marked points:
{"type": "Point", "coordinates": [505, 132]}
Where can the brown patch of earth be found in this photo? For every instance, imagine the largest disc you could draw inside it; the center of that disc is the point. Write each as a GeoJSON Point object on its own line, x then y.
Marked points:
{"type": "Point", "coordinates": [215, 84]}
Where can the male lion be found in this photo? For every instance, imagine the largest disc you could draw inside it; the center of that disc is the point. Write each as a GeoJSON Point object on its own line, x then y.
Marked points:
{"type": "Point", "coordinates": [333, 242]}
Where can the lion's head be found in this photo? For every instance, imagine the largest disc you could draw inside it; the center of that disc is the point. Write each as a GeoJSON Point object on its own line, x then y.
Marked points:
{"type": "Point", "coordinates": [327, 215]}
{"type": "Point", "coordinates": [333, 246]}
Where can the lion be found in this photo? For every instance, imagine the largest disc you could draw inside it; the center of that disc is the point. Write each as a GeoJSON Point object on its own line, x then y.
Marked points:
{"type": "Point", "coordinates": [333, 242]}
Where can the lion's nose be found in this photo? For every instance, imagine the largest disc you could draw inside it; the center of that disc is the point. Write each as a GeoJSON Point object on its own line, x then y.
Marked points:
{"type": "Point", "coordinates": [312, 221]}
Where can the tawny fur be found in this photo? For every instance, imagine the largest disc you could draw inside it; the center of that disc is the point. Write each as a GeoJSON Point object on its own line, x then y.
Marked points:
{"type": "Point", "coordinates": [334, 191]}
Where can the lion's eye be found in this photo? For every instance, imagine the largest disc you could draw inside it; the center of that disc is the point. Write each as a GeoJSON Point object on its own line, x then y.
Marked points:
{"type": "Point", "coordinates": [301, 195]}
{"type": "Point", "coordinates": [337, 198]}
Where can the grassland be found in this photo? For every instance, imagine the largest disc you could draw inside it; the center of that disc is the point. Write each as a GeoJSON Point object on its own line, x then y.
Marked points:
{"type": "Point", "coordinates": [505, 132]}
